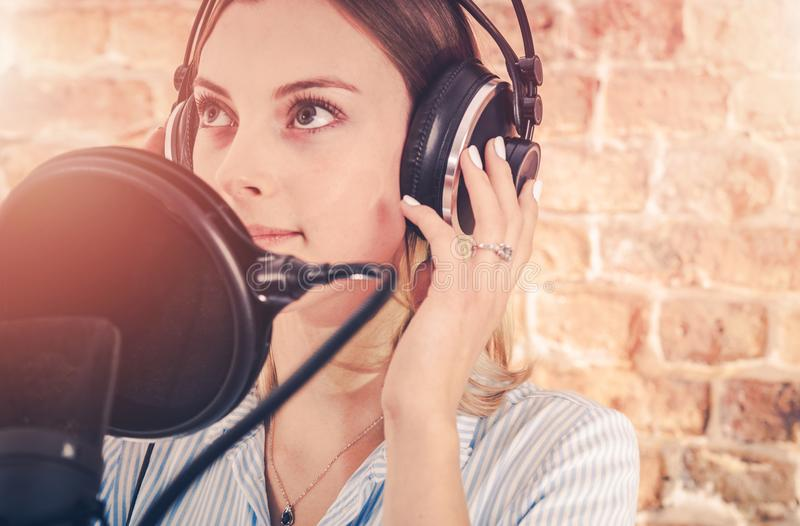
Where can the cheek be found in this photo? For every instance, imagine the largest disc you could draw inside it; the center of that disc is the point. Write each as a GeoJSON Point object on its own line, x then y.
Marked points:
{"type": "Point", "coordinates": [386, 224]}
{"type": "Point", "coordinates": [386, 213]}
{"type": "Point", "coordinates": [205, 158]}
{"type": "Point", "coordinates": [368, 227]}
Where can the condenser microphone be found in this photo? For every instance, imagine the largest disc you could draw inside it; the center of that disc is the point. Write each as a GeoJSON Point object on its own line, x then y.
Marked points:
{"type": "Point", "coordinates": [57, 376]}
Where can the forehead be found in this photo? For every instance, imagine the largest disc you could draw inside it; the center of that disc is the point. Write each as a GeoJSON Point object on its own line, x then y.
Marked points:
{"type": "Point", "coordinates": [289, 39]}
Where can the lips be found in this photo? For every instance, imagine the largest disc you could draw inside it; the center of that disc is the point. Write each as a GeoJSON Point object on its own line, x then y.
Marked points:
{"type": "Point", "coordinates": [261, 230]}
{"type": "Point", "coordinates": [264, 235]}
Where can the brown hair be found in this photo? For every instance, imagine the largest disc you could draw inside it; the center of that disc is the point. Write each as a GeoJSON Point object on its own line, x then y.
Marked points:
{"type": "Point", "coordinates": [441, 35]}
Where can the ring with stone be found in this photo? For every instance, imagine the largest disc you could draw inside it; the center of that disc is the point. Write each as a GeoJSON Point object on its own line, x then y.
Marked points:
{"type": "Point", "coordinates": [501, 249]}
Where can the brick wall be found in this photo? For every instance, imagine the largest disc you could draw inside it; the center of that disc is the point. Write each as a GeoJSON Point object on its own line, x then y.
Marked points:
{"type": "Point", "coordinates": [669, 236]}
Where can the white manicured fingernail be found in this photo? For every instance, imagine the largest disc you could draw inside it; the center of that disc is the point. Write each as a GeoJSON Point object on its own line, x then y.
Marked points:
{"type": "Point", "coordinates": [475, 156]}
{"type": "Point", "coordinates": [410, 200]}
{"type": "Point", "coordinates": [537, 190]}
{"type": "Point", "coordinates": [500, 147]}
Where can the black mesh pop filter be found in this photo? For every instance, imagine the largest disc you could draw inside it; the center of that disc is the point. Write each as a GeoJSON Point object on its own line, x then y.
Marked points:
{"type": "Point", "coordinates": [126, 235]}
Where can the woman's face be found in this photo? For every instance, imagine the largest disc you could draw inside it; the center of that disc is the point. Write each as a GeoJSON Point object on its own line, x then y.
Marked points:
{"type": "Point", "coordinates": [302, 124]}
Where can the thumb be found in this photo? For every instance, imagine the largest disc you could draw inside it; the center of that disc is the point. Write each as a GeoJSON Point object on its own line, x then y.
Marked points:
{"type": "Point", "coordinates": [155, 141]}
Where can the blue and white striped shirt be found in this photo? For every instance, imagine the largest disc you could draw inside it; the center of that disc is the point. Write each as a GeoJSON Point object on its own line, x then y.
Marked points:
{"type": "Point", "coordinates": [544, 457]}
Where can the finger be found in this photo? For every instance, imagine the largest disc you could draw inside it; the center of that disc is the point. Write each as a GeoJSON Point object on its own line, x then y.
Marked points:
{"type": "Point", "coordinates": [503, 182]}
{"type": "Point", "coordinates": [438, 233]}
{"type": "Point", "coordinates": [155, 141]}
{"type": "Point", "coordinates": [530, 214]}
{"type": "Point", "coordinates": [489, 220]}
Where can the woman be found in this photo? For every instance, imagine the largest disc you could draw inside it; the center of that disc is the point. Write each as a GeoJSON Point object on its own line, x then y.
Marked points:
{"type": "Point", "coordinates": [418, 419]}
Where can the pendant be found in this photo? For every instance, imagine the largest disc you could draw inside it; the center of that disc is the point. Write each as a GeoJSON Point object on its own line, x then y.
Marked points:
{"type": "Point", "coordinates": [287, 517]}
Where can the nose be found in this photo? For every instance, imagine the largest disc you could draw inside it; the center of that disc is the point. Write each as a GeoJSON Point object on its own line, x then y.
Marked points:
{"type": "Point", "coordinates": [246, 172]}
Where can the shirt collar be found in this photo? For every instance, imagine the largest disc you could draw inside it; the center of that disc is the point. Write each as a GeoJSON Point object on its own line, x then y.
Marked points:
{"type": "Point", "coordinates": [465, 423]}
{"type": "Point", "coordinates": [247, 404]}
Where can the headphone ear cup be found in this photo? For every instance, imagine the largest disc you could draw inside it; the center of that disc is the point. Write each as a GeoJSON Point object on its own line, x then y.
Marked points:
{"type": "Point", "coordinates": [466, 104]}
{"type": "Point", "coordinates": [171, 140]}
{"type": "Point", "coordinates": [180, 133]}
{"type": "Point", "coordinates": [187, 133]}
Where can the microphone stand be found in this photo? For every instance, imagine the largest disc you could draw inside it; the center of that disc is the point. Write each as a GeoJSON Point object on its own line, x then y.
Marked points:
{"type": "Point", "coordinates": [278, 396]}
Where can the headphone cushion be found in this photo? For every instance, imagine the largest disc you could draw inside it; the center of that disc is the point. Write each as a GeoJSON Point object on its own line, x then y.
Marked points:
{"type": "Point", "coordinates": [182, 129]}
{"type": "Point", "coordinates": [437, 116]}
{"type": "Point", "coordinates": [187, 132]}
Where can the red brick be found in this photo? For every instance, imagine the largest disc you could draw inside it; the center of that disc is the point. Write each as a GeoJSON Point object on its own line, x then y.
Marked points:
{"type": "Point", "coordinates": [790, 327]}
{"type": "Point", "coordinates": [724, 33]}
{"type": "Point", "coordinates": [695, 254]}
{"type": "Point", "coordinates": [768, 106]}
{"type": "Point", "coordinates": [659, 406]}
{"type": "Point", "coordinates": [165, 29]}
{"type": "Point", "coordinates": [548, 25]}
{"type": "Point", "coordinates": [644, 100]}
{"type": "Point", "coordinates": [627, 28]}
{"type": "Point", "coordinates": [578, 179]}
{"type": "Point", "coordinates": [618, 320]}
{"type": "Point", "coordinates": [651, 478]}
{"type": "Point", "coordinates": [7, 54]}
{"type": "Point", "coordinates": [568, 100]}
{"type": "Point", "coordinates": [712, 331]}
{"type": "Point", "coordinates": [64, 107]}
{"type": "Point", "coordinates": [721, 179]}
{"type": "Point", "coordinates": [792, 186]}
{"type": "Point", "coordinates": [560, 249]}
{"type": "Point", "coordinates": [757, 411]}
{"type": "Point", "coordinates": [18, 160]}
{"type": "Point", "coordinates": [71, 35]}
{"type": "Point", "coordinates": [758, 485]}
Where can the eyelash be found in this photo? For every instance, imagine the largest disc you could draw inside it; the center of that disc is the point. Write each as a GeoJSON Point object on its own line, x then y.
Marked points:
{"type": "Point", "coordinates": [203, 101]}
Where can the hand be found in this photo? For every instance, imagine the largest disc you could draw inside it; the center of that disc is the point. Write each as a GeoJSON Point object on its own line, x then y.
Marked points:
{"type": "Point", "coordinates": [436, 353]}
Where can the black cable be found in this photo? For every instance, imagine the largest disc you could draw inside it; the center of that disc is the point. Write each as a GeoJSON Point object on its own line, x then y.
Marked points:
{"type": "Point", "coordinates": [193, 34]}
{"type": "Point", "coordinates": [519, 88]}
{"type": "Point", "coordinates": [278, 396]}
{"type": "Point", "coordinates": [142, 471]}
{"type": "Point", "coordinates": [525, 28]}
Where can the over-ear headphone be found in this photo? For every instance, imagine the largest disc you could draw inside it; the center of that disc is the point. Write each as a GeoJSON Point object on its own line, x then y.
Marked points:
{"type": "Point", "coordinates": [466, 104]}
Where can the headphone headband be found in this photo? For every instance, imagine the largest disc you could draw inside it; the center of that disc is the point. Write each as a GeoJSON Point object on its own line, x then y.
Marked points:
{"type": "Point", "coordinates": [525, 72]}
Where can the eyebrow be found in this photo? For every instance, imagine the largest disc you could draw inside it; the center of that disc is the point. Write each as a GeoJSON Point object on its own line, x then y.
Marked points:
{"type": "Point", "coordinates": [286, 89]}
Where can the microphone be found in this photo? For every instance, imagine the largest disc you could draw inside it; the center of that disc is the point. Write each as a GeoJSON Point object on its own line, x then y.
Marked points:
{"type": "Point", "coordinates": [57, 375]}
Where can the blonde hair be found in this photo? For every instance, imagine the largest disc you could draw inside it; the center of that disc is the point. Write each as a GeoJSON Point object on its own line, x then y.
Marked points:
{"type": "Point", "coordinates": [491, 376]}
{"type": "Point", "coordinates": [441, 36]}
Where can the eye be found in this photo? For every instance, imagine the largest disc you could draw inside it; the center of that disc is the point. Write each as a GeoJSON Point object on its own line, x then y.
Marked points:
{"type": "Point", "coordinates": [308, 109]}
{"type": "Point", "coordinates": [211, 112]}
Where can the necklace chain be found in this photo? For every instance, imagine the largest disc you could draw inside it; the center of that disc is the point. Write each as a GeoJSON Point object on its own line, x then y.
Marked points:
{"type": "Point", "coordinates": [289, 511]}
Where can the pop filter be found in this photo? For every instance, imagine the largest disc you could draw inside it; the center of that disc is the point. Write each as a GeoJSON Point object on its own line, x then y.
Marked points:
{"type": "Point", "coordinates": [128, 236]}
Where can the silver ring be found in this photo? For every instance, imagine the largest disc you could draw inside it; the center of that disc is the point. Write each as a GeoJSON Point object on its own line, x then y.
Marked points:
{"type": "Point", "coordinates": [501, 249]}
